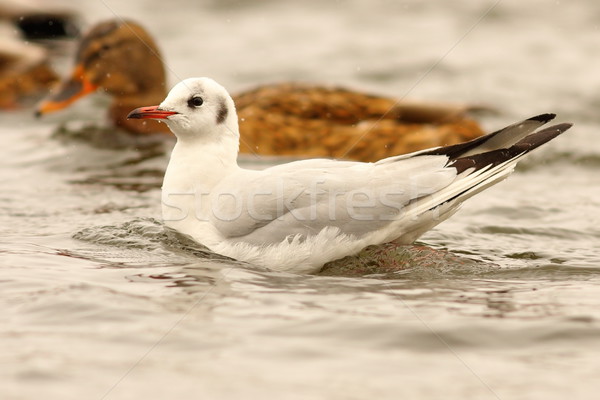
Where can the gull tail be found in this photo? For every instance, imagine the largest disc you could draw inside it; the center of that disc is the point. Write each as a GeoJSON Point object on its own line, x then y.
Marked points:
{"type": "Point", "coordinates": [501, 139]}
{"type": "Point", "coordinates": [480, 164]}
{"type": "Point", "coordinates": [477, 159]}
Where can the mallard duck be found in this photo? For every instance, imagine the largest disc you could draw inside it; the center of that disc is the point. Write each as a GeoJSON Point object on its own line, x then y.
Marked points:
{"type": "Point", "coordinates": [291, 119]}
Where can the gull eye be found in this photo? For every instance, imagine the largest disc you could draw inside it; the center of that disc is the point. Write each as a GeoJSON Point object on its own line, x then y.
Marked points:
{"type": "Point", "coordinates": [195, 101]}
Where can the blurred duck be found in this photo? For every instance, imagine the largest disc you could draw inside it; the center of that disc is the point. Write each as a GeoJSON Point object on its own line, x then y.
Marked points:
{"type": "Point", "coordinates": [290, 119]}
{"type": "Point", "coordinates": [40, 19]}
{"type": "Point", "coordinates": [24, 70]}
{"type": "Point", "coordinates": [25, 73]}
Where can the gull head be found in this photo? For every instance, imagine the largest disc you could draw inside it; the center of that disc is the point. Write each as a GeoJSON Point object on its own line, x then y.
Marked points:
{"type": "Point", "coordinates": [196, 108]}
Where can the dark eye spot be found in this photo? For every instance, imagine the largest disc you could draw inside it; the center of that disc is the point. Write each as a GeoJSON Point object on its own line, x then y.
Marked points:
{"type": "Point", "coordinates": [195, 101]}
{"type": "Point", "coordinates": [222, 113]}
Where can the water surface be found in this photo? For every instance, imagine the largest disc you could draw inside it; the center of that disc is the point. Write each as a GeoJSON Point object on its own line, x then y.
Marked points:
{"type": "Point", "coordinates": [100, 301]}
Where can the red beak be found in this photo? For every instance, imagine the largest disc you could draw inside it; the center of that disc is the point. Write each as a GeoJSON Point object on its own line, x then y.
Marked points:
{"type": "Point", "coordinates": [152, 112]}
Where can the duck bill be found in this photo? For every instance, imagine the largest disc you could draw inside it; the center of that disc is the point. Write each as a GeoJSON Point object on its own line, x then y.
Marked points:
{"type": "Point", "coordinates": [68, 92]}
{"type": "Point", "coordinates": [152, 112]}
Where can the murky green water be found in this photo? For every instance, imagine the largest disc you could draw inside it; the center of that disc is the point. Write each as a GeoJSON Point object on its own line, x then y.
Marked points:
{"type": "Point", "coordinates": [100, 301]}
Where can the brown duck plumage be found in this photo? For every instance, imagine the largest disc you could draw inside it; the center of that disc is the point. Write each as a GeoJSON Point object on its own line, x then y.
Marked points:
{"type": "Point", "coordinates": [334, 122]}
{"type": "Point", "coordinates": [279, 119]}
{"type": "Point", "coordinates": [24, 72]}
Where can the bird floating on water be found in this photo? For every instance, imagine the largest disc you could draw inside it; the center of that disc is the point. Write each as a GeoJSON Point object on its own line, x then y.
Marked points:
{"type": "Point", "coordinates": [293, 119]}
{"type": "Point", "coordinates": [298, 216]}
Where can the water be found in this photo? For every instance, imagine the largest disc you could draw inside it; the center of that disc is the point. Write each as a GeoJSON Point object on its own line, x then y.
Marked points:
{"type": "Point", "coordinates": [100, 301]}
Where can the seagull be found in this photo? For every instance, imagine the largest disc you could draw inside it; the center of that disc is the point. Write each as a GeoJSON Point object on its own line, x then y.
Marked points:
{"type": "Point", "coordinates": [298, 216]}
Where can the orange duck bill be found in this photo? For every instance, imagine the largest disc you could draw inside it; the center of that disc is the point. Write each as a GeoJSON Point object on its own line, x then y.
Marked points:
{"type": "Point", "coordinates": [152, 112]}
{"type": "Point", "coordinates": [68, 92]}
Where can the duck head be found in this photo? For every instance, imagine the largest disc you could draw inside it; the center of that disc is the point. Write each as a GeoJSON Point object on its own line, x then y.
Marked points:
{"type": "Point", "coordinates": [120, 58]}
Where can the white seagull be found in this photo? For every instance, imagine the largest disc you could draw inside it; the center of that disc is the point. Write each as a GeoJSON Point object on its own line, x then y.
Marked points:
{"type": "Point", "coordinates": [298, 216]}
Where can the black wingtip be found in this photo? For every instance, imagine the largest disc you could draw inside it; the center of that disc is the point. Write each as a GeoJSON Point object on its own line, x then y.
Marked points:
{"type": "Point", "coordinates": [525, 145]}
{"type": "Point", "coordinates": [564, 126]}
{"type": "Point", "coordinates": [543, 118]}
{"type": "Point", "coordinates": [540, 137]}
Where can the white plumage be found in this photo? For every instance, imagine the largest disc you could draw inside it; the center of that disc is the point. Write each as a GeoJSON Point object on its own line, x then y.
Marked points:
{"type": "Point", "coordinates": [300, 215]}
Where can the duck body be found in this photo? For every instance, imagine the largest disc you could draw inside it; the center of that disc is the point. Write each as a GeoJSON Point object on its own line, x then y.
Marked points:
{"type": "Point", "coordinates": [298, 216]}
{"type": "Point", "coordinates": [121, 58]}
{"type": "Point", "coordinates": [25, 72]}
{"type": "Point", "coordinates": [328, 121]}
